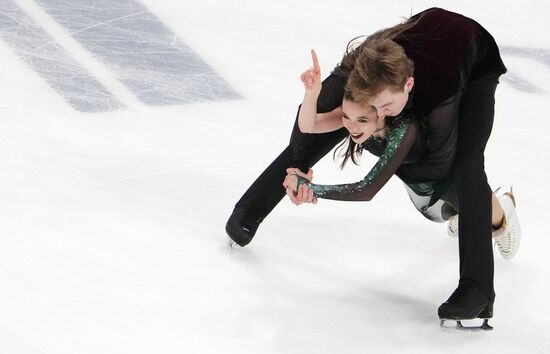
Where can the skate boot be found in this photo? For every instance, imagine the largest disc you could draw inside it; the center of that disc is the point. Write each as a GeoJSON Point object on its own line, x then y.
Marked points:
{"type": "Point", "coordinates": [508, 236]}
{"type": "Point", "coordinates": [452, 226]}
{"type": "Point", "coordinates": [241, 227]}
{"type": "Point", "coordinates": [466, 303]}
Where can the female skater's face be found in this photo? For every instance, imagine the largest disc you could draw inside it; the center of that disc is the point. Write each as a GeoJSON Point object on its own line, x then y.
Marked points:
{"type": "Point", "coordinates": [361, 121]}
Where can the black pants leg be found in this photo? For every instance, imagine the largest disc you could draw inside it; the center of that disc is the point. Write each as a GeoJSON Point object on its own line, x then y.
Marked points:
{"type": "Point", "coordinates": [474, 194]}
{"type": "Point", "coordinates": [303, 151]}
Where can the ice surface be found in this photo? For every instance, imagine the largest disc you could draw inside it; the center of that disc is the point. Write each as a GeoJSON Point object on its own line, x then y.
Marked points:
{"type": "Point", "coordinates": [112, 221]}
{"type": "Point", "coordinates": [146, 56]}
{"type": "Point", "coordinates": [37, 49]}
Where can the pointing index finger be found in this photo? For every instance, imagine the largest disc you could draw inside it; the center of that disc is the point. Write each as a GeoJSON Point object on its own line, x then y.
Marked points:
{"type": "Point", "coordinates": [316, 66]}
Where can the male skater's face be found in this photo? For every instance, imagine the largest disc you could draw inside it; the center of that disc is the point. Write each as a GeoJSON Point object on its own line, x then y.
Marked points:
{"type": "Point", "coordinates": [361, 121]}
{"type": "Point", "coordinates": [389, 102]}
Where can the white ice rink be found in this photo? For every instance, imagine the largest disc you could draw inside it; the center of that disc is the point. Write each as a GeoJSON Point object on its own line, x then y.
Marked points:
{"type": "Point", "coordinates": [129, 129]}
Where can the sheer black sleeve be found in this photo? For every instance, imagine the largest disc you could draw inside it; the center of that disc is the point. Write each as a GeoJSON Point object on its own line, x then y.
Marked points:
{"type": "Point", "coordinates": [440, 148]}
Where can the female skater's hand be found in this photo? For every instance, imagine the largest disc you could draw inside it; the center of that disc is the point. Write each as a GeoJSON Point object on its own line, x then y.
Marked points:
{"type": "Point", "coordinates": [311, 78]}
{"type": "Point", "coordinates": [302, 194]}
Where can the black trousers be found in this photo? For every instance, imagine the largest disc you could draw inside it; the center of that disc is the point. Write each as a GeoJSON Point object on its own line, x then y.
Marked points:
{"type": "Point", "coordinates": [469, 193]}
{"type": "Point", "coordinates": [303, 151]}
{"type": "Point", "coordinates": [476, 115]}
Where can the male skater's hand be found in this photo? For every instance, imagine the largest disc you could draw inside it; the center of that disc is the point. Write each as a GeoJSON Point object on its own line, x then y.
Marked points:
{"type": "Point", "coordinates": [302, 194]}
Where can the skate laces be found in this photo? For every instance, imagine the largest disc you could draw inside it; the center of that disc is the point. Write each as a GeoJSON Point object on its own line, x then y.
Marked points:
{"type": "Point", "coordinates": [506, 242]}
{"type": "Point", "coordinates": [508, 235]}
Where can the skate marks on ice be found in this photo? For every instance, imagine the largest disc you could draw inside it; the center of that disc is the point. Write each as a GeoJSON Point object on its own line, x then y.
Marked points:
{"type": "Point", "coordinates": [517, 81]}
{"type": "Point", "coordinates": [143, 52]}
{"type": "Point", "coordinates": [52, 63]}
{"type": "Point", "coordinates": [136, 46]}
{"type": "Point", "coordinates": [538, 54]}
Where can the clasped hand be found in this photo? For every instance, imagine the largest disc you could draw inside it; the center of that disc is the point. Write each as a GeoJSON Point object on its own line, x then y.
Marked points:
{"type": "Point", "coordinates": [298, 194]}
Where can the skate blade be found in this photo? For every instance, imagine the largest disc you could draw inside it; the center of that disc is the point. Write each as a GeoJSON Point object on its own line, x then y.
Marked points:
{"type": "Point", "coordinates": [460, 328]}
{"type": "Point", "coordinates": [232, 245]}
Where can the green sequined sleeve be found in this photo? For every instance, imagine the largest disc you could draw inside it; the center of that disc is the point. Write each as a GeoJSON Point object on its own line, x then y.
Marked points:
{"type": "Point", "coordinates": [399, 141]}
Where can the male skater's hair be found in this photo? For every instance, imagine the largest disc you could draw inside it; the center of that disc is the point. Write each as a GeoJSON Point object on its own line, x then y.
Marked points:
{"type": "Point", "coordinates": [380, 64]}
{"type": "Point", "coordinates": [372, 65]}
{"type": "Point", "coordinates": [356, 45]}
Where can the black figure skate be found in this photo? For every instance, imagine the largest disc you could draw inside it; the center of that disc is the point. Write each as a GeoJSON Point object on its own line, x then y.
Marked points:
{"type": "Point", "coordinates": [241, 227]}
{"type": "Point", "coordinates": [466, 303]}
